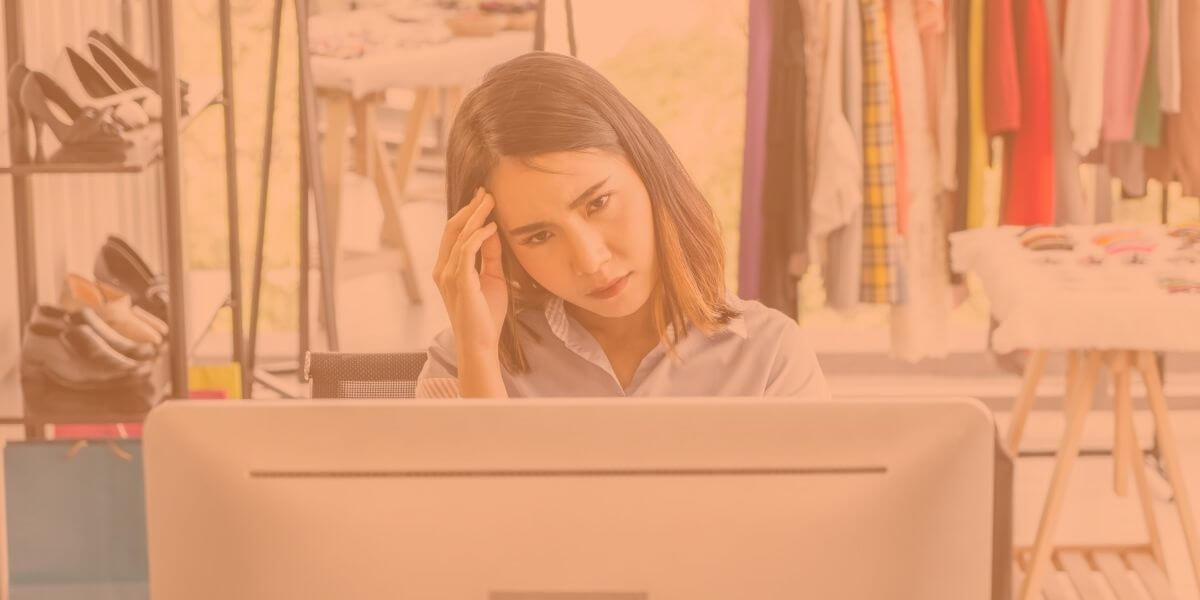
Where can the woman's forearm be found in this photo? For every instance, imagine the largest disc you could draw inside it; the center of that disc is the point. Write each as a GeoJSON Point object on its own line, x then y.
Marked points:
{"type": "Point", "coordinates": [479, 375]}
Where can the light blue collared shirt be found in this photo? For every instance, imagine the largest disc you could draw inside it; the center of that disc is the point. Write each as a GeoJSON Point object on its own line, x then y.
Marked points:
{"type": "Point", "coordinates": [762, 352]}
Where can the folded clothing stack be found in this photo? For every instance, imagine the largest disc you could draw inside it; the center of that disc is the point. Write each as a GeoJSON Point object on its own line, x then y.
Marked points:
{"type": "Point", "coordinates": [1125, 241]}
{"type": "Point", "coordinates": [1180, 285]}
{"type": "Point", "coordinates": [1190, 234]}
{"type": "Point", "coordinates": [1046, 238]}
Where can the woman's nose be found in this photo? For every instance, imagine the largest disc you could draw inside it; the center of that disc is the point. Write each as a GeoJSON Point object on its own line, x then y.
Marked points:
{"type": "Point", "coordinates": [589, 252]}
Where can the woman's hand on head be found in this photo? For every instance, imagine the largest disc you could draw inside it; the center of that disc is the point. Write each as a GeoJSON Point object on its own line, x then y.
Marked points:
{"type": "Point", "coordinates": [476, 299]}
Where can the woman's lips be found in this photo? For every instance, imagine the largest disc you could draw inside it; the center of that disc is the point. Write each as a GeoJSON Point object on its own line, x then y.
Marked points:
{"type": "Point", "coordinates": [611, 289]}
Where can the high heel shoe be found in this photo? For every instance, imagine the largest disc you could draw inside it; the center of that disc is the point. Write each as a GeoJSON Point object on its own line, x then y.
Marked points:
{"type": "Point", "coordinates": [123, 76]}
{"type": "Point", "coordinates": [103, 43]}
{"type": "Point", "coordinates": [16, 77]}
{"type": "Point", "coordinates": [88, 86]}
{"type": "Point", "coordinates": [88, 133]}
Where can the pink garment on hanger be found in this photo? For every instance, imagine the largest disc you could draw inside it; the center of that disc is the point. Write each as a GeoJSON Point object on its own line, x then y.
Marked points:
{"type": "Point", "coordinates": [1125, 64]}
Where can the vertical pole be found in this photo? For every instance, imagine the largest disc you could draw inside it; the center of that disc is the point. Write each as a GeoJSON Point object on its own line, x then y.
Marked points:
{"type": "Point", "coordinates": [264, 188]}
{"type": "Point", "coordinates": [169, 91]}
{"type": "Point", "coordinates": [231, 192]}
{"type": "Point", "coordinates": [312, 161]}
{"type": "Point", "coordinates": [23, 221]}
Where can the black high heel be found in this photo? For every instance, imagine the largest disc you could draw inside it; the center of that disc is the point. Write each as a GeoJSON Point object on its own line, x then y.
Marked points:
{"type": "Point", "coordinates": [87, 134]}
{"type": "Point", "coordinates": [124, 76]}
{"type": "Point", "coordinates": [88, 86]}
{"type": "Point", "coordinates": [143, 72]}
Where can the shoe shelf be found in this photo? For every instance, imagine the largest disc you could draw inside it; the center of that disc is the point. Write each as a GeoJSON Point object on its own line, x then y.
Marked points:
{"type": "Point", "coordinates": [146, 148]}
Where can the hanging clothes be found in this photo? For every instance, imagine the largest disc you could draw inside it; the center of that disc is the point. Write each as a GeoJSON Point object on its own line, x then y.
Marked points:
{"type": "Point", "coordinates": [947, 109]}
{"type": "Point", "coordinates": [931, 23]}
{"type": "Point", "coordinates": [1147, 129]}
{"type": "Point", "coordinates": [1169, 66]}
{"type": "Point", "coordinates": [1085, 37]}
{"type": "Point", "coordinates": [750, 228]}
{"type": "Point", "coordinates": [1178, 157]}
{"type": "Point", "coordinates": [844, 257]}
{"type": "Point", "coordinates": [900, 156]}
{"type": "Point", "coordinates": [837, 185]}
{"type": "Point", "coordinates": [815, 17]}
{"type": "Point", "coordinates": [919, 326]}
{"type": "Point", "coordinates": [977, 139]}
{"type": "Point", "coordinates": [1002, 90]}
{"type": "Point", "coordinates": [785, 185]}
{"type": "Point", "coordinates": [1125, 64]}
{"type": "Point", "coordinates": [1069, 206]}
{"type": "Point", "coordinates": [883, 278]}
{"type": "Point", "coordinates": [1029, 187]}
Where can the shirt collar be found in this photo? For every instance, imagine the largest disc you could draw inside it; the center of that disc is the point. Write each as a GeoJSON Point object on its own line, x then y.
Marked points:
{"type": "Point", "coordinates": [560, 324]}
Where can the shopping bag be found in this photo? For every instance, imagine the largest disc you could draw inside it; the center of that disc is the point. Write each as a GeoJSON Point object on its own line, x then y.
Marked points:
{"type": "Point", "coordinates": [226, 378]}
{"type": "Point", "coordinates": [76, 520]}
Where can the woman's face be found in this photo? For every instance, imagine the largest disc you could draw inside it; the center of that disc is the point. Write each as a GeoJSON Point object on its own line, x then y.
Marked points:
{"type": "Point", "coordinates": [581, 225]}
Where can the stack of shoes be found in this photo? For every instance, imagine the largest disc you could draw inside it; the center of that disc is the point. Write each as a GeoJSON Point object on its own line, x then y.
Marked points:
{"type": "Point", "coordinates": [89, 101]}
{"type": "Point", "coordinates": [120, 266]}
{"type": "Point", "coordinates": [99, 348]}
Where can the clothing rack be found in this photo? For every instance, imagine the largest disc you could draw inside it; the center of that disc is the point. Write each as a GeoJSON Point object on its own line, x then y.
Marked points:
{"type": "Point", "coordinates": [161, 146]}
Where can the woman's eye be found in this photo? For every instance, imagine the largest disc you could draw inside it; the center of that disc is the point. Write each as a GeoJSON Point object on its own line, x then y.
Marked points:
{"type": "Point", "coordinates": [537, 238]}
{"type": "Point", "coordinates": [598, 204]}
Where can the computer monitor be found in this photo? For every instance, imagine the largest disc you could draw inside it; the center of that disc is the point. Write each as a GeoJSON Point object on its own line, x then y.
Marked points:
{"type": "Point", "coordinates": [557, 499]}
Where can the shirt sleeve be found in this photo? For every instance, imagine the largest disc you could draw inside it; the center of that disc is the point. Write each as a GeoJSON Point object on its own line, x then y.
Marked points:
{"type": "Point", "coordinates": [795, 371]}
{"type": "Point", "coordinates": [439, 376]}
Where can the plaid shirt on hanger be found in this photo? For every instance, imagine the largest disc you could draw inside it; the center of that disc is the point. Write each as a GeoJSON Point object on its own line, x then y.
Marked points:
{"type": "Point", "coordinates": [882, 275]}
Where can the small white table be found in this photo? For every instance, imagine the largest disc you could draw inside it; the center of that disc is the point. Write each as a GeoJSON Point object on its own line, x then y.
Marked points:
{"type": "Point", "coordinates": [352, 89]}
{"type": "Point", "coordinates": [1099, 308]}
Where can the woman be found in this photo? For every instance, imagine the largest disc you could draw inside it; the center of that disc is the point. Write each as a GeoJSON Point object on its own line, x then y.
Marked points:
{"type": "Point", "coordinates": [581, 259]}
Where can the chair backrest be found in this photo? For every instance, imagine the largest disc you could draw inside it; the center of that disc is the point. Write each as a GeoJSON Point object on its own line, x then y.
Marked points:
{"type": "Point", "coordinates": [363, 375]}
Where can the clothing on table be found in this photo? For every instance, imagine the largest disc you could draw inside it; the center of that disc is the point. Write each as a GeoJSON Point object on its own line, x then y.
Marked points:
{"type": "Point", "coordinates": [1085, 37]}
{"type": "Point", "coordinates": [1069, 207]}
{"type": "Point", "coordinates": [1178, 157]}
{"type": "Point", "coordinates": [883, 278]}
{"type": "Point", "coordinates": [1169, 67]}
{"type": "Point", "coordinates": [837, 189]}
{"type": "Point", "coordinates": [1029, 188]}
{"type": "Point", "coordinates": [755, 151]}
{"type": "Point", "coordinates": [843, 258]}
{"type": "Point", "coordinates": [1002, 88]}
{"type": "Point", "coordinates": [785, 203]}
{"type": "Point", "coordinates": [919, 325]}
{"type": "Point", "coordinates": [1128, 43]}
{"type": "Point", "coordinates": [760, 353]}
{"type": "Point", "coordinates": [1148, 127]}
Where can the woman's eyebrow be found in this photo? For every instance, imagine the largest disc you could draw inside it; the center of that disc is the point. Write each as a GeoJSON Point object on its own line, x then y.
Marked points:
{"type": "Point", "coordinates": [583, 197]}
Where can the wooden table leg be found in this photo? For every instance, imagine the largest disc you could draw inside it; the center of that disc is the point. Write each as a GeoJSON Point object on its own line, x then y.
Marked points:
{"type": "Point", "coordinates": [390, 201]}
{"type": "Point", "coordinates": [1076, 413]}
{"type": "Point", "coordinates": [1122, 415]}
{"type": "Point", "coordinates": [1024, 403]}
{"type": "Point", "coordinates": [365, 130]}
{"type": "Point", "coordinates": [1170, 454]}
{"type": "Point", "coordinates": [1136, 464]}
{"type": "Point", "coordinates": [410, 147]}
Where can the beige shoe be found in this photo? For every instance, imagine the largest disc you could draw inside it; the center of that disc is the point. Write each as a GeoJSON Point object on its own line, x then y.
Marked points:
{"type": "Point", "coordinates": [114, 307]}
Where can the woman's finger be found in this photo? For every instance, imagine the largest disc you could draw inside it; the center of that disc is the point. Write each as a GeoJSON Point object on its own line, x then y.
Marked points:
{"type": "Point", "coordinates": [453, 227]}
{"type": "Point", "coordinates": [478, 216]}
{"type": "Point", "coordinates": [470, 249]}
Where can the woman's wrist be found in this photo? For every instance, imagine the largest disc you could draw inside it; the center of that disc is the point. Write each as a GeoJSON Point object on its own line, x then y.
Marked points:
{"type": "Point", "coordinates": [479, 373]}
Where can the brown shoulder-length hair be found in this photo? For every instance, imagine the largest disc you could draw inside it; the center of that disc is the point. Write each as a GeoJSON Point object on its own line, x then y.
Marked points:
{"type": "Point", "coordinates": [542, 102]}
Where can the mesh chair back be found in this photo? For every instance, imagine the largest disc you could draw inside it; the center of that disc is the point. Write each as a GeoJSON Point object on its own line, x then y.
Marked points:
{"type": "Point", "coordinates": [363, 375]}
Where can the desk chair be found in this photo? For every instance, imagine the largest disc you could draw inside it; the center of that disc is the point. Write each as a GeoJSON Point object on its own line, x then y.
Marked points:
{"type": "Point", "coordinates": [363, 375]}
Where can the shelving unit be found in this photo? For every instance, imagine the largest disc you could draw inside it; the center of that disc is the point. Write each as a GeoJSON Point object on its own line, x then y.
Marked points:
{"type": "Point", "coordinates": [156, 145]}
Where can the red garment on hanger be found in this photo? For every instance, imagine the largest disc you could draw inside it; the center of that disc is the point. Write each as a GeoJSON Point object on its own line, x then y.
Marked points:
{"type": "Point", "coordinates": [1001, 84]}
{"type": "Point", "coordinates": [1029, 155]}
